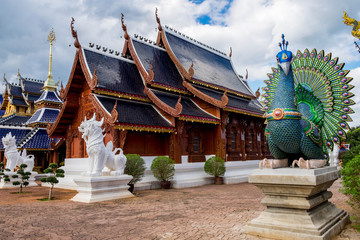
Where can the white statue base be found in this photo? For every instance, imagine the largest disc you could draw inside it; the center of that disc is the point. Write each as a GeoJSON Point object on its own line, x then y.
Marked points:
{"type": "Point", "coordinates": [103, 188]}
{"type": "Point", "coordinates": [297, 205]}
{"type": "Point", "coordinates": [31, 180]}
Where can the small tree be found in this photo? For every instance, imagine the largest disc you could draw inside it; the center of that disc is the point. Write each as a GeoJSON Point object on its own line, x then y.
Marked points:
{"type": "Point", "coordinates": [163, 168]}
{"type": "Point", "coordinates": [23, 180]}
{"type": "Point", "coordinates": [135, 166]}
{"type": "Point", "coordinates": [54, 173]}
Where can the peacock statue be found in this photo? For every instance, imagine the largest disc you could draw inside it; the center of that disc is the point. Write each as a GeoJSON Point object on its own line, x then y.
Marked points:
{"type": "Point", "coordinates": [307, 106]}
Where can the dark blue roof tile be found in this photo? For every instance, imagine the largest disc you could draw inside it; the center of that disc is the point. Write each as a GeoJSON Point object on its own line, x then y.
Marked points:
{"type": "Point", "coordinates": [49, 96]}
{"type": "Point", "coordinates": [32, 86]}
{"type": "Point", "coordinates": [134, 112]}
{"type": "Point", "coordinates": [115, 73]}
{"type": "Point", "coordinates": [165, 71]}
{"type": "Point", "coordinates": [38, 141]}
{"type": "Point", "coordinates": [14, 120]}
{"type": "Point", "coordinates": [209, 67]}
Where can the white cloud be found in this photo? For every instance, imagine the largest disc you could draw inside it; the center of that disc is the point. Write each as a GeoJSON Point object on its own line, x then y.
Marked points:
{"type": "Point", "coordinates": [251, 27]}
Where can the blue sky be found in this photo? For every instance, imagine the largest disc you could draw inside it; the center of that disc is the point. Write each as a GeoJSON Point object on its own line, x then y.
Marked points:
{"type": "Point", "coordinates": [252, 28]}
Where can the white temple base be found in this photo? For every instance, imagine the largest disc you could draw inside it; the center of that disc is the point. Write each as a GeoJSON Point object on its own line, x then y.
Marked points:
{"type": "Point", "coordinates": [103, 188]}
{"type": "Point", "coordinates": [186, 174]}
{"type": "Point", "coordinates": [31, 180]}
{"type": "Point", "coordinates": [297, 205]}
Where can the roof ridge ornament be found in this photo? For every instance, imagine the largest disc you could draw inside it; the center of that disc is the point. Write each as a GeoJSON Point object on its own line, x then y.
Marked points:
{"type": "Point", "coordinates": [230, 54]}
{"type": "Point", "coordinates": [74, 34]}
{"type": "Point", "coordinates": [49, 83]}
{"type": "Point", "coordinates": [158, 19]}
{"type": "Point", "coordinates": [126, 35]}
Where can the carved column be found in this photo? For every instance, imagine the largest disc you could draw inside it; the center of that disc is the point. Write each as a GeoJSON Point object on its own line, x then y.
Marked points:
{"type": "Point", "coordinates": [68, 142]}
{"type": "Point", "coordinates": [116, 137]}
{"type": "Point", "coordinates": [243, 123]}
{"type": "Point", "coordinates": [177, 141]}
{"type": "Point", "coordinates": [220, 136]}
{"type": "Point", "coordinates": [122, 139]}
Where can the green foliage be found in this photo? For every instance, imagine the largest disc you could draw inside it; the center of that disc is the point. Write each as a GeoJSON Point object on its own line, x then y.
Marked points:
{"type": "Point", "coordinates": [54, 173]}
{"type": "Point", "coordinates": [353, 138]}
{"type": "Point", "coordinates": [135, 166]}
{"type": "Point", "coordinates": [351, 186]}
{"type": "Point", "coordinates": [24, 176]}
{"type": "Point", "coordinates": [215, 166]}
{"type": "Point", "coordinates": [163, 168]}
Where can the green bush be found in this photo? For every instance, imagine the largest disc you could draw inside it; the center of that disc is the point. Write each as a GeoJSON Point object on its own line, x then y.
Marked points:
{"type": "Point", "coordinates": [215, 166]}
{"type": "Point", "coordinates": [351, 187]}
{"type": "Point", "coordinates": [163, 168]}
{"type": "Point", "coordinates": [135, 166]}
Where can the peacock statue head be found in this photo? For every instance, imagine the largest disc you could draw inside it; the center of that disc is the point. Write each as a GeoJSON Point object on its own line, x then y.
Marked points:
{"type": "Point", "coordinates": [284, 57]}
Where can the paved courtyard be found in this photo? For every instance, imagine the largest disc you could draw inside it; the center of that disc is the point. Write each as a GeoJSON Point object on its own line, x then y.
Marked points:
{"type": "Point", "coordinates": [207, 212]}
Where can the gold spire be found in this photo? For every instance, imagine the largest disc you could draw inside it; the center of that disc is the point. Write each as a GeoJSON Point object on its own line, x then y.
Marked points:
{"type": "Point", "coordinates": [49, 83]}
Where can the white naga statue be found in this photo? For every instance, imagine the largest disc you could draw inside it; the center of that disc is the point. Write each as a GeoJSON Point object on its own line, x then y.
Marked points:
{"type": "Point", "coordinates": [14, 157]}
{"type": "Point", "coordinates": [99, 155]}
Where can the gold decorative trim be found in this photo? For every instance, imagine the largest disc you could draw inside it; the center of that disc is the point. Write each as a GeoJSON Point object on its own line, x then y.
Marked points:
{"type": "Point", "coordinates": [144, 128]}
{"type": "Point", "coordinates": [168, 88]}
{"type": "Point", "coordinates": [121, 95]}
{"type": "Point", "coordinates": [244, 112]}
{"type": "Point", "coordinates": [190, 119]}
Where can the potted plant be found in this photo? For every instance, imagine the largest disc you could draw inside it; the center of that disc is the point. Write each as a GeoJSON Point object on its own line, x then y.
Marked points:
{"type": "Point", "coordinates": [215, 166]}
{"type": "Point", "coordinates": [163, 169]}
{"type": "Point", "coordinates": [135, 166]}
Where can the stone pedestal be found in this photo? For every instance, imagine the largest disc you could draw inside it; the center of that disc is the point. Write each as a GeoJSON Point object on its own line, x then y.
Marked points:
{"type": "Point", "coordinates": [297, 205]}
{"type": "Point", "coordinates": [31, 180]}
{"type": "Point", "coordinates": [103, 188]}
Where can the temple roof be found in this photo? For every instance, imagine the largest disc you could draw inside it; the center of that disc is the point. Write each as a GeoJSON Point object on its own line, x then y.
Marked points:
{"type": "Point", "coordinates": [44, 115]}
{"type": "Point", "coordinates": [235, 102]}
{"type": "Point", "coordinates": [18, 101]}
{"type": "Point", "coordinates": [114, 73]}
{"type": "Point", "coordinates": [165, 71]}
{"type": "Point", "coordinates": [14, 120]}
{"type": "Point", "coordinates": [49, 96]}
{"type": "Point", "coordinates": [209, 66]}
{"type": "Point", "coordinates": [19, 134]}
{"type": "Point", "coordinates": [15, 90]}
{"type": "Point", "coordinates": [40, 140]}
{"type": "Point", "coordinates": [135, 113]}
{"type": "Point", "coordinates": [190, 110]}
{"type": "Point", "coordinates": [32, 97]}
{"type": "Point", "coordinates": [32, 85]}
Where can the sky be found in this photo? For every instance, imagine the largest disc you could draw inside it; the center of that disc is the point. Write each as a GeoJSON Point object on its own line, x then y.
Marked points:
{"type": "Point", "coordinates": [252, 28]}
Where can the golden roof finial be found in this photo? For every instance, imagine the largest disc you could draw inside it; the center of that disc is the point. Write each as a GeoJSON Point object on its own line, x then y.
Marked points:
{"type": "Point", "coordinates": [49, 83]}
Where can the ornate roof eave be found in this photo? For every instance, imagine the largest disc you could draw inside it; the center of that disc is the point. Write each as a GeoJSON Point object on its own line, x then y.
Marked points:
{"type": "Point", "coordinates": [221, 104]}
{"type": "Point", "coordinates": [175, 112]}
{"type": "Point", "coordinates": [128, 46]}
{"type": "Point", "coordinates": [91, 79]}
{"type": "Point", "coordinates": [199, 119]}
{"type": "Point", "coordinates": [108, 118]}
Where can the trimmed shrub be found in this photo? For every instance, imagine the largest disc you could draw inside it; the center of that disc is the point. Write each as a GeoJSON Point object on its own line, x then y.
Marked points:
{"type": "Point", "coordinates": [135, 166]}
{"type": "Point", "coordinates": [215, 166]}
{"type": "Point", "coordinates": [163, 168]}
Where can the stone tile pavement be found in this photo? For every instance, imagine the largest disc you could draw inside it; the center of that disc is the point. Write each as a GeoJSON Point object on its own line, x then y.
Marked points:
{"type": "Point", "coordinates": [207, 212]}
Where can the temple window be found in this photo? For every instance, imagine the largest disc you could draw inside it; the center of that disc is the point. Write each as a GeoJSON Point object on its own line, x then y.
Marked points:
{"type": "Point", "coordinates": [196, 144]}
{"type": "Point", "coordinates": [251, 143]}
{"type": "Point", "coordinates": [233, 140]}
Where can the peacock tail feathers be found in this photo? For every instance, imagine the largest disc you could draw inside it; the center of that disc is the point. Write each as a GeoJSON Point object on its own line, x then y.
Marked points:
{"type": "Point", "coordinates": [322, 95]}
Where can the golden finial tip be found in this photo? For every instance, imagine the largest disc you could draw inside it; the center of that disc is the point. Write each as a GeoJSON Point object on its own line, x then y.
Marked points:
{"type": "Point", "coordinates": [51, 37]}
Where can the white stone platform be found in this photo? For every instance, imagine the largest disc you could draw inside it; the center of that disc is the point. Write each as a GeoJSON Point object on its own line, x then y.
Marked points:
{"type": "Point", "coordinates": [297, 205]}
{"type": "Point", "coordinates": [31, 180]}
{"type": "Point", "coordinates": [186, 174]}
{"type": "Point", "coordinates": [103, 188]}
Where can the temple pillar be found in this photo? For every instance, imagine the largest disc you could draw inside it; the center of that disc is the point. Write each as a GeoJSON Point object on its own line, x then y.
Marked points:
{"type": "Point", "coordinates": [220, 136]}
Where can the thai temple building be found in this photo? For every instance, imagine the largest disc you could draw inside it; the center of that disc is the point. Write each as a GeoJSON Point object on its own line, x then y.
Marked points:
{"type": "Point", "coordinates": [174, 96]}
{"type": "Point", "coordinates": [29, 106]}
